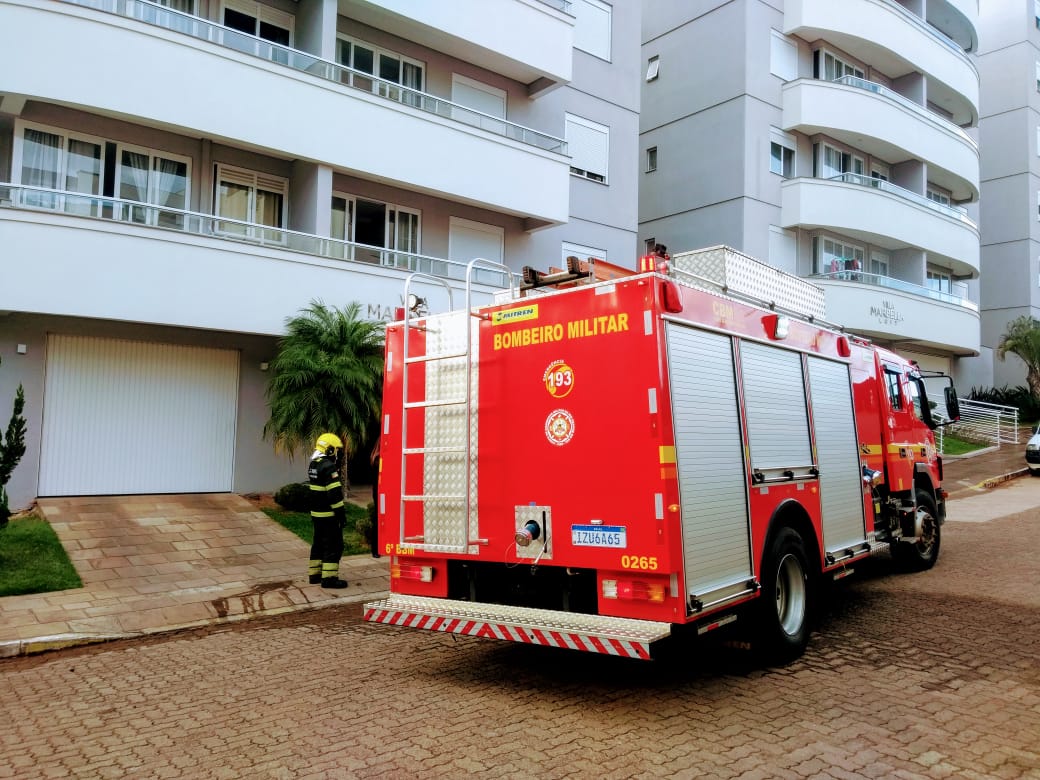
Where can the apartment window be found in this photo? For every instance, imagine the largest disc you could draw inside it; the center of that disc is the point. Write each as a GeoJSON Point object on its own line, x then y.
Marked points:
{"type": "Point", "coordinates": [651, 159]}
{"type": "Point", "coordinates": [1038, 76]}
{"type": "Point", "coordinates": [254, 198]}
{"type": "Point", "coordinates": [387, 65]}
{"type": "Point", "coordinates": [836, 162]}
{"type": "Point", "coordinates": [830, 67]}
{"type": "Point", "coordinates": [836, 257]}
{"type": "Point", "coordinates": [648, 246]}
{"type": "Point", "coordinates": [184, 6]}
{"type": "Point", "coordinates": [375, 224]}
{"type": "Point", "coordinates": [584, 253]}
{"type": "Point", "coordinates": [653, 68]}
{"type": "Point", "coordinates": [937, 195]}
{"type": "Point", "coordinates": [1036, 12]}
{"type": "Point", "coordinates": [879, 262]}
{"type": "Point", "coordinates": [589, 144]}
{"type": "Point", "coordinates": [781, 160]}
{"type": "Point", "coordinates": [878, 171]}
{"type": "Point", "coordinates": [592, 27]}
{"type": "Point", "coordinates": [939, 279]}
{"type": "Point", "coordinates": [155, 178]}
{"type": "Point", "coordinates": [259, 20]}
{"type": "Point", "coordinates": [54, 160]}
{"type": "Point", "coordinates": [783, 56]}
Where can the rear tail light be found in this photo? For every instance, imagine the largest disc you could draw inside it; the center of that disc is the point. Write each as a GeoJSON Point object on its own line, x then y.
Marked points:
{"type": "Point", "coordinates": [634, 590]}
{"type": "Point", "coordinates": [411, 571]}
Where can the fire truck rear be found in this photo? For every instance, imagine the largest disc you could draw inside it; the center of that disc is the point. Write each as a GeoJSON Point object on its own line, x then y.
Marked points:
{"type": "Point", "coordinates": [601, 467]}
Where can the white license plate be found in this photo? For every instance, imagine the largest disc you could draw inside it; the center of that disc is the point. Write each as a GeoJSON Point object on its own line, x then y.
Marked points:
{"type": "Point", "coordinates": [599, 536]}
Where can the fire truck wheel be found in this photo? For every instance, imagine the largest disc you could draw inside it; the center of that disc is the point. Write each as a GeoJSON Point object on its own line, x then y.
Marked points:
{"type": "Point", "coordinates": [786, 600]}
{"type": "Point", "coordinates": [923, 553]}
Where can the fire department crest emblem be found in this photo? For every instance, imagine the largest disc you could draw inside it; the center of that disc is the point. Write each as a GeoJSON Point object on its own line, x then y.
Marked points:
{"type": "Point", "coordinates": [559, 427]}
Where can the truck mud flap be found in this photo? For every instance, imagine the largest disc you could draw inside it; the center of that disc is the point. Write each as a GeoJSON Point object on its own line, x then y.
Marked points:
{"type": "Point", "coordinates": [622, 637]}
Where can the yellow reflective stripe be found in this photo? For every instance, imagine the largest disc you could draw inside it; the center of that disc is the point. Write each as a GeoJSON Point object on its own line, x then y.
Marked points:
{"type": "Point", "coordinates": [332, 485]}
{"type": "Point", "coordinates": [321, 514]}
{"type": "Point", "coordinates": [321, 488]}
{"type": "Point", "coordinates": [666, 454]}
{"type": "Point", "coordinates": [337, 505]}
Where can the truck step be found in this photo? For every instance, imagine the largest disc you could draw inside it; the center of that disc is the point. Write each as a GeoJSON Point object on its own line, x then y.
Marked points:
{"type": "Point", "coordinates": [622, 637]}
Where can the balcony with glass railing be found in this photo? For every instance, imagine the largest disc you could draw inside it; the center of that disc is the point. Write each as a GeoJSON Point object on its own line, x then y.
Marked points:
{"type": "Point", "coordinates": [873, 119]}
{"type": "Point", "coordinates": [885, 214]}
{"type": "Point", "coordinates": [303, 62]}
{"type": "Point", "coordinates": [170, 222]}
{"type": "Point", "coordinates": [896, 42]}
{"type": "Point", "coordinates": [891, 283]}
{"type": "Point", "coordinates": [894, 311]}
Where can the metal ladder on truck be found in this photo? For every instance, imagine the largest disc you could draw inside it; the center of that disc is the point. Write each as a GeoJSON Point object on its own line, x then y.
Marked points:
{"type": "Point", "coordinates": [446, 453]}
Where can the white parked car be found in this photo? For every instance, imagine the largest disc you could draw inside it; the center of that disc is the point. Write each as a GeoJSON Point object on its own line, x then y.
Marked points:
{"type": "Point", "coordinates": [1033, 451]}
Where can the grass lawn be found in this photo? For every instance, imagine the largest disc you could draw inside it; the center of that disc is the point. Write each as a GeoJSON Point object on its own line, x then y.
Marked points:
{"type": "Point", "coordinates": [300, 524]}
{"type": "Point", "coordinates": [32, 559]}
{"type": "Point", "coordinates": [954, 446]}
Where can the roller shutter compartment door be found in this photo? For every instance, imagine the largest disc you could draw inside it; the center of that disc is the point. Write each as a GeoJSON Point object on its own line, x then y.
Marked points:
{"type": "Point", "coordinates": [125, 417]}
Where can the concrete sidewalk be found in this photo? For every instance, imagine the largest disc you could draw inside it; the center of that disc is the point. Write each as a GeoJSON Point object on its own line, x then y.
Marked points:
{"type": "Point", "coordinates": [151, 564]}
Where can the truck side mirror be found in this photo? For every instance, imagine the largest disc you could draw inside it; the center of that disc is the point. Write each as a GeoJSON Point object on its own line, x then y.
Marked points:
{"type": "Point", "coordinates": [953, 406]}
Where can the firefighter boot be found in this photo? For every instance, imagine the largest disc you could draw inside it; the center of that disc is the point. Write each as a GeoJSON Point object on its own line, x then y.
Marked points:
{"type": "Point", "coordinates": [330, 576]}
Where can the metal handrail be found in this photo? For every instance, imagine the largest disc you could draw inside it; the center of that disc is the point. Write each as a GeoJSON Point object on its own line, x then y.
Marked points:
{"type": "Point", "coordinates": [156, 217]}
{"type": "Point", "coordinates": [983, 421]}
{"type": "Point", "coordinates": [891, 94]}
{"type": "Point", "coordinates": [203, 29]}
{"type": "Point", "coordinates": [957, 212]}
{"type": "Point", "coordinates": [880, 280]}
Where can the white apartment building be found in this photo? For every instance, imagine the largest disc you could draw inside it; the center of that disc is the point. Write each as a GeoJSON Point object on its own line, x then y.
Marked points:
{"type": "Point", "coordinates": [178, 178]}
{"type": "Point", "coordinates": [1009, 137]}
{"type": "Point", "coordinates": [831, 139]}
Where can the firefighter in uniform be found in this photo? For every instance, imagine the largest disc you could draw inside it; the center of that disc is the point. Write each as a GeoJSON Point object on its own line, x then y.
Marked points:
{"type": "Point", "coordinates": [327, 513]}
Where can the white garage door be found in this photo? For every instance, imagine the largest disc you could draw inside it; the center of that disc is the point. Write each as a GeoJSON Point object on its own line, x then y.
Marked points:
{"type": "Point", "coordinates": [126, 417]}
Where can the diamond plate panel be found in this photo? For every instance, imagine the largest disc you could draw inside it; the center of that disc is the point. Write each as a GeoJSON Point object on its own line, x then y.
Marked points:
{"type": "Point", "coordinates": [445, 483]}
{"type": "Point", "coordinates": [742, 273]}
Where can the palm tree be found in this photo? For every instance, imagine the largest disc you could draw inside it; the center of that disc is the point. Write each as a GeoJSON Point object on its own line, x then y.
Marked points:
{"type": "Point", "coordinates": [327, 377]}
{"type": "Point", "coordinates": [1022, 338]}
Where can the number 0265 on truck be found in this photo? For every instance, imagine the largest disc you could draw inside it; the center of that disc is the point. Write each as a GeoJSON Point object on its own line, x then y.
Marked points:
{"type": "Point", "coordinates": [605, 466]}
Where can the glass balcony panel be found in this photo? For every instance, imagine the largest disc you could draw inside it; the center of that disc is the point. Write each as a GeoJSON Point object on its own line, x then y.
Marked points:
{"type": "Point", "coordinates": [151, 216]}
{"type": "Point", "coordinates": [197, 27]}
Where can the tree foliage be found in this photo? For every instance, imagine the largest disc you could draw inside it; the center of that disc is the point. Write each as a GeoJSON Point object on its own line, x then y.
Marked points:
{"type": "Point", "coordinates": [1022, 338]}
{"type": "Point", "coordinates": [12, 448]}
{"type": "Point", "coordinates": [327, 377]}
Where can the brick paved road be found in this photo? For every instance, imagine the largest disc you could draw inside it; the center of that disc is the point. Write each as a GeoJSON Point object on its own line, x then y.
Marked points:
{"type": "Point", "coordinates": [928, 675]}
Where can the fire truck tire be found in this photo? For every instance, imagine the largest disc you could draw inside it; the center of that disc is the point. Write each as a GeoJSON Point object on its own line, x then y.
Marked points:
{"type": "Point", "coordinates": [784, 608]}
{"type": "Point", "coordinates": [922, 554]}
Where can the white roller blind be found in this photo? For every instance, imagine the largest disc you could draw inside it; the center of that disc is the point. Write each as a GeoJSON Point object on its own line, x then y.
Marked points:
{"type": "Point", "coordinates": [592, 27]}
{"type": "Point", "coordinates": [589, 145]}
{"type": "Point", "coordinates": [482, 97]}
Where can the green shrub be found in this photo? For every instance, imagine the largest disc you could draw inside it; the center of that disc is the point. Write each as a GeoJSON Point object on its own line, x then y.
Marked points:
{"type": "Point", "coordinates": [1020, 397]}
{"type": "Point", "coordinates": [294, 496]}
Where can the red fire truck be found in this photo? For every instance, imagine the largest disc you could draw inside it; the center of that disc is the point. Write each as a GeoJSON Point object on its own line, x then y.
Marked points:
{"type": "Point", "coordinates": [608, 465]}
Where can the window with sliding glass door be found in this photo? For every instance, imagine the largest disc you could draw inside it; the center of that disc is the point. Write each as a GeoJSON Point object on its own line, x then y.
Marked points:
{"type": "Point", "coordinates": [387, 65]}
{"type": "Point", "coordinates": [829, 66]}
{"type": "Point", "coordinates": [260, 21]}
{"type": "Point", "coordinates": [376, 232]}
{"type": "Point", "coordinates": [253, 205]}
{"type": "Point", "coordinates": [832, 162]}
{"type": "Point", "coordinates": [58, 169]}
{"type": "Point", "coordinates": [837, 258]}
{"type": "Point", "coordinates": [153, 186]}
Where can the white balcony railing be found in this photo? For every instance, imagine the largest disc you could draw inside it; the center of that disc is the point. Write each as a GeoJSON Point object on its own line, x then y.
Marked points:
{"type": "Point", "coordinates": [956, 212]}
{"type": "Point", "coordinates": [891, 94]}
{"type": "Point", "coordinates": [203, 29]}
{"type": "Point", "coordinates": [879, 280]}
{"type": "Point", "coordinates": [149, 215]}
{"type": "Point", "coordinates": [935, 32]}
